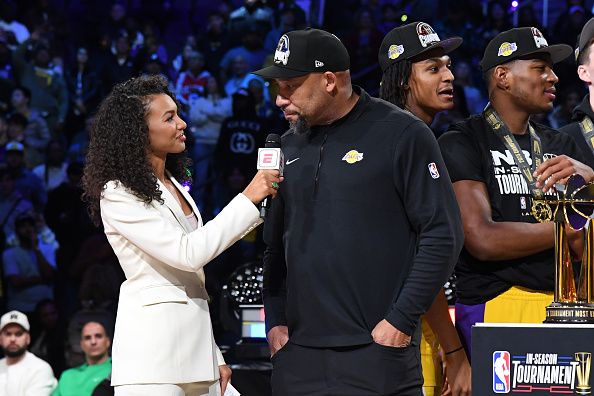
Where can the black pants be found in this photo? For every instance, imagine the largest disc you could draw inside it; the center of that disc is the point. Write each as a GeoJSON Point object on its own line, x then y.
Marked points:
{"type": "Point", "coordinates": [363, 370]}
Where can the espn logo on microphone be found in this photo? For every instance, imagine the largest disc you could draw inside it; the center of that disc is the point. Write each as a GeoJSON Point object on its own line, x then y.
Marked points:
{"type": "Point", "coordinates": [270, 158]}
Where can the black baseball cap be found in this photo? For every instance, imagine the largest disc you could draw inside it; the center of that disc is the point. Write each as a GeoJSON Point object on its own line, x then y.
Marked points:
{"type": "Point", "coordinates": [584, 37]}
{"type": "Point", "coordinates": [306, 51]}
{"type": "Point", "coordinates": [411, 41]}
{"type": "Point", "coordinates": [520, 43]}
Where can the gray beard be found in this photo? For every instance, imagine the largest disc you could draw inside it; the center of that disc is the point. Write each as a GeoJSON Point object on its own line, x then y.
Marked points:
{"type": "Point", "coordinates": [301, 127]}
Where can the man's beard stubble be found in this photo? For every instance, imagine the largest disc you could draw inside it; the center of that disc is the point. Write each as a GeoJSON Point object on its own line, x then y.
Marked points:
{"type": "Point", "coordinates": [15, 353]}
{"type": "Point", "coordinates": [300, 127]}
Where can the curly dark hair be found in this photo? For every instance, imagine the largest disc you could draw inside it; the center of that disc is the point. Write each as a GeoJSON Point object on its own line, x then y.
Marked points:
{"type": "Point", "coordinates": [119, 144]}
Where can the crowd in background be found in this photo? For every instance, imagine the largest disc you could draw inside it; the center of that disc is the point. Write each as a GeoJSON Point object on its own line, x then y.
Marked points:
{"type": "Point", "coordinates": [58, 59]}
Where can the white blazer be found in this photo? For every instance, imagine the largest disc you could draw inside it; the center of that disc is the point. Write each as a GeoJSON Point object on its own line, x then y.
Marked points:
{"type": "Point", "coordinates": [163, 332]}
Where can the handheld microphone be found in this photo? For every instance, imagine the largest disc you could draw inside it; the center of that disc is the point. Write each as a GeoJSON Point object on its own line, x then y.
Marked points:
{"type": "Point", "coordinates": [270, 157]}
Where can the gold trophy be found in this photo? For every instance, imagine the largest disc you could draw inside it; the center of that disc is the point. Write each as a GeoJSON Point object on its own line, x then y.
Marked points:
{"type": "Point", "coordinates": [574, 206]}
{"type": "Point", "coordinates": [583, 373]}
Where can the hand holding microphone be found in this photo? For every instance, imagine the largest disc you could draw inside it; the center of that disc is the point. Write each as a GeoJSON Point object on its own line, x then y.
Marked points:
{"type": "Point", "coordinates": [270, 168]}
{"type": "Point", "coordinates": [263, 185]}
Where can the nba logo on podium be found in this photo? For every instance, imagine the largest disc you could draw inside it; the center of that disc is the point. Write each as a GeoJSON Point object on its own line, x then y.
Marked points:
{"type": "Point", "coordinates": [501, 366]}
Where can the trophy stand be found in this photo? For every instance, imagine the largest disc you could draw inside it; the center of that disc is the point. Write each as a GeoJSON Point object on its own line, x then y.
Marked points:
{"type": "Point", "coordinates": [574, 297]}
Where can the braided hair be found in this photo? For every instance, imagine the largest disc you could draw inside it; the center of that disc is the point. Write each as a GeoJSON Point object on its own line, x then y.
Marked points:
{"type": "Point", "coordinates": [395, 81]}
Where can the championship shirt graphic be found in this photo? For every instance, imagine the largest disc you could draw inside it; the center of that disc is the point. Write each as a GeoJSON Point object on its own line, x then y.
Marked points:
{"type": "Point", "coordinates": [510, 183]}
{"type": "Point", "coordinates": [542, 373]}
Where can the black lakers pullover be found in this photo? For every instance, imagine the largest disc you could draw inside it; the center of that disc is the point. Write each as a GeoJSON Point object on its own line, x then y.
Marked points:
{"type": "Point", "coordinates": [365, 227]}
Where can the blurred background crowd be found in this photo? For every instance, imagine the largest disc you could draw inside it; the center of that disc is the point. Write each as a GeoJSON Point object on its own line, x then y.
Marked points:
{"type": "Point", "coordinates": [59, 58]}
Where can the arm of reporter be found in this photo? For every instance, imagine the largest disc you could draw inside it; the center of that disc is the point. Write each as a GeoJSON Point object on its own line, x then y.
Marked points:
{"type": "Point", "coordinates": [143, 228]}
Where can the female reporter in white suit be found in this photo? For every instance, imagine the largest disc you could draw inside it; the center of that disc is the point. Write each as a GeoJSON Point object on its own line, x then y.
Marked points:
{"type": "Point", "coordinates": [163, 342]}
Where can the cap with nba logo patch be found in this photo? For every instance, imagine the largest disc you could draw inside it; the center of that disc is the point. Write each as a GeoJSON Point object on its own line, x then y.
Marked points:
{"type": "Point", "coordinates": [521, 43]}
{"type": "Point", "coordinates": [306, 51]}
{"type": "Point", "coordinates": [412, 41]}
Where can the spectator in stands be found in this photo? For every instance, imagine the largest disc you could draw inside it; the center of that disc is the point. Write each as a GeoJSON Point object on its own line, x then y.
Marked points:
{"type": "Point", "coordinates": [15, 31]}
{"type": "Point", "coordinates": [206, 116]}
{"type": "Point", "coordinates": [50, 94]}
{"type": "Point", "coordinates": [7, 75]}
{"type": "Point", "coordinates": [237, 148]}
{"type": "Point", "coordinates": [152, 66]}
{"type": "Point", "coordinates": [3, 133]}
{"type": "Point", "coordinates": [29, 272]}
{"type": "Point", "coordinates": [259, 91]}
{"type": "Point", "coordinates": [21, 372]}
{"type": "Point", "coordinates": [569, 98]}
{"type": "Point", "coordinates": [363, 44]}
{"type": "Point", "coordinates": [496, 21]}
{"type": "Point", "coordinates": [120, 65]}
{"type": "Point", "coordinates": [475, 100]}
{"type": "Point", "coordinates": [287, 22]}
{"type": "Point", "coordinates": [239, 76]}
{"type": "Point", "coordinates": [12, 204]}
{"type": "Point", "coordinates": [82, 380]}
{"type": "Point", "coordinates": [67, 216]}
{"type": "Point", "coordinates": [115, 26]}
{"type": "Point", "coordinates": [48, 334]}
{"type": "Point", "coordinates": [214, 43]}
{"type": "Point", "coordinates": [527, 17]}
{"type": "Point", "coordinates": [29, 185]}
{"type": "Point", "coordinates": [252, 15]}
{"type": "Point", "coordinates": [251, 50]}
{"type": "Point", "coordinates": [570, 22]}
{"type": "Point", "coordinates": [80, 142]}
{"type": "Point", "coordinates": [36, 133]}
{"type": "Point", "coordinates": [16, 124]}
{"type": "Point", "coordinates": [191, 82]}
{"type": "Point", "coordinates": [180, 62]}
{"type": "Point", "coordinates": [84, 91]}
{"type": "Point", "coordinates": [389, 18]}
{"type": "Point", "coordinates": [53, 171]}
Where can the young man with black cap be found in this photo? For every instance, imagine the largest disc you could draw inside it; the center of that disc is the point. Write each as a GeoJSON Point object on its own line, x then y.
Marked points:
{"type": "Point", "coordinates": [498, 161]}
{"type": "Point", "coordinates": [360, 238]}
{"type": "Point", "coordinates": [581, 127]}
{"type": "Point", "coordinates": [417, 77]}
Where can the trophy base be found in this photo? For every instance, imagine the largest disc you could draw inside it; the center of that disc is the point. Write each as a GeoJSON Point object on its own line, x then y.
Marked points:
{"type": "Point", "coordinates": [580, 313]}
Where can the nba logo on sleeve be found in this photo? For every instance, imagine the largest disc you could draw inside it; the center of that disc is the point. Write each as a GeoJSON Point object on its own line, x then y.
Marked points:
{"type": "Point", "coordinates": [501, 368]}
{"type": "Point", "coordinates": [433, 170]}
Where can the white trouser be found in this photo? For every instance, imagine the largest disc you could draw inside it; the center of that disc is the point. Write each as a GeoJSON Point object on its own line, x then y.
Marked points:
{"type": "Point", "coordinates": [192, 389]}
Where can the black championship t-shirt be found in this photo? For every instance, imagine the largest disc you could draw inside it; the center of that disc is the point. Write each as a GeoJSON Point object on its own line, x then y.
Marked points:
{"type": "Point", "coordinates": [473, 152]}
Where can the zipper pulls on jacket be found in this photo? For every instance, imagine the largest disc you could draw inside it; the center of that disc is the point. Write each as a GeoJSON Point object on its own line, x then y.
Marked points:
{"type": "Point", "coordinates": [317, 178]}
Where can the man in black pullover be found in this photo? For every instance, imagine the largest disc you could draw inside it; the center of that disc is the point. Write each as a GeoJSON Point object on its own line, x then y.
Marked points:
{"type": "Point", "coordinates": [362, 235]}
{"type": "Point", "coordinates": [581, 126]}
